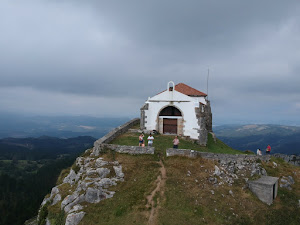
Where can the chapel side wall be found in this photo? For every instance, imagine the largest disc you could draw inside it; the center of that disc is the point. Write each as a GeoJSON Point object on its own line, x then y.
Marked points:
{"type": "Point", "coordinates": [190, 120]}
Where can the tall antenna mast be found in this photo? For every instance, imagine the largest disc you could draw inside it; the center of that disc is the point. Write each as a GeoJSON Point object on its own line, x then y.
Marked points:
{"type": "Point", "coordinates": [207, 82]}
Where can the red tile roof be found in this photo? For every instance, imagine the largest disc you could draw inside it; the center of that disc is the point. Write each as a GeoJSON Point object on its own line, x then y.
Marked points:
{"type": "Point", "coordinates": [187, 90]}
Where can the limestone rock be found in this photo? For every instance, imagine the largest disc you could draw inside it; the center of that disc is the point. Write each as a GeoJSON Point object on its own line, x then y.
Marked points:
{"type": "Point", "coordinates": [286, 182]}
{"type": "Point", "coordinates": [76, 208]}
{"type": "Point", "coordinates": [106, 182]}
{"type": "Point", "coordinates": [70, 198]}
{"type": "Point", "coordinates": [54, 191]}
{"type": "Point", "coordinates": [291, 180]}
{"type": "Point", "coordinates": [45, 201]}
{"type": "Point", "coordinates": [48, 221]}
{"type": "Point", "coordinates": [75, 202]}
{"type": "Point", "coordinates": [90, 172]}
{"type": "Point", "coordinates": [71, 178]}
{"type": "Point", "coordinates": [118, 171]}
{"type": "Point", "coordinates": [94, 195]}
{"type": "Point", "coordinates": [103, 172]}
{"type": "Point", "coordinates": [100, 162]}
{"type": "Point", "coordinates": [217, 171]}
{"type": "Point", "coordinates": [74, 218]}
{"type": "Point", "coordinates": [56, 199]}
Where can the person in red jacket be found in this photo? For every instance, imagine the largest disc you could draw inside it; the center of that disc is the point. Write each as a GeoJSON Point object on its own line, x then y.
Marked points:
{"type": "Point", "coordinates": [268, 150]}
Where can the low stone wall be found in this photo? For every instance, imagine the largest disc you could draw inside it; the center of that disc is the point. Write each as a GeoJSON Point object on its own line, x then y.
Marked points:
{"type": "Point", "coordinates": [101, 143]}
{"type": "Point", "coordinates": [132, 150]}
{"type": "Point", "coordinates": [214, 156]}
{"type": "Point", "coordinates": [291, 159]}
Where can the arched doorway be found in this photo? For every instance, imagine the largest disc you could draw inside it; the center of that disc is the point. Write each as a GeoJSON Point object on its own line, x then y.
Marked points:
{"type": "Point", "coordinates": [170, 115]}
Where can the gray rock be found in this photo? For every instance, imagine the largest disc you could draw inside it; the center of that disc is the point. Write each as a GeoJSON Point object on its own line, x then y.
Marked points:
{"type": "Point", "coordinates": [45, 201]}
{"type": "Point", "coordinates": [70, 198]}
{"type": "Point", "coordinates": [74, 218]}
{"type": "Point", "coordinates": [76, 208]}
{"type": "Point", "coordinates": [115, 163]}
{"type": "Point", "coordinates": [71, 178]}
{"type": "Point", "coordinates": [100, 162]}
{"type": "Point", "coordinates": [217, 171]}
{"type": "Point", "coordinates": [106, 182]}
{"type": "Point", "coordinates": [103, 172]}
{"type": "Point", "coordinates": [54, 191]}
{"type": "Point", "coordinates": [90, 172]}
{"type": "Point", "coordinates": [291, 180]}
{"type": "Point", "coordinates": [48, 221]}
{"type": "Point", "coordinates": [284, 180]}
{"type": "Point", "coordinates": [230, 192]}
{"type": "Point", "coordinates": [240, 167]}
{"type": "Point", "coordinates": [94, 195]}
{"type": "Point", "coordinates": [118, 171]}
{"type": "Point", "coordinates": [264, 172]}
{"type": "Point", "coordinates": [76, 201]}
{"type": "Point", "coordinates": [56, 199]}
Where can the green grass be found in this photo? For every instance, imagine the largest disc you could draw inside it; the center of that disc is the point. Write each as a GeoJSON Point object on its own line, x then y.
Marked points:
{"type": "Point", "coordinates": [162, 142]}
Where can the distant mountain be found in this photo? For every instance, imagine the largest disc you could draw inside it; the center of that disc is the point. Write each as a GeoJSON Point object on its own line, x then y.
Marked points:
{"type": "Point", "coordinates": [283, 139]}
{"type": "Point", "coordinates": [20, 126]}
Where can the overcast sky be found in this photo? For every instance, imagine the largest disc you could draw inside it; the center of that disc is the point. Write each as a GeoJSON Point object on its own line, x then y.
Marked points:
{"type": "Point", "coordinates": [105, 58]}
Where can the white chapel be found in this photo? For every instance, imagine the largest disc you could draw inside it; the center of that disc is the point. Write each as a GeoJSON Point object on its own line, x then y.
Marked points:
{"type": "Point", "coordinates": [180, 110]}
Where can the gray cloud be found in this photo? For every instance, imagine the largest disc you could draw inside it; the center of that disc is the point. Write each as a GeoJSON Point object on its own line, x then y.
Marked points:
{"type": "Point", "coordinates": [130, 50]}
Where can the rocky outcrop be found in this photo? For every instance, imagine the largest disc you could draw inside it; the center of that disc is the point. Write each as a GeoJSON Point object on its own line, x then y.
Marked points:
{"type": "Point", "coordinates": [90, 184]}
{"type": "Point", "coordinates": [287, 182]}
{"type": "Point", "coordinates": [291, 159]}
{"type": "Point", "coordinates": [230, 170]}
{"type": "Point", "coordinates": [74, 218]}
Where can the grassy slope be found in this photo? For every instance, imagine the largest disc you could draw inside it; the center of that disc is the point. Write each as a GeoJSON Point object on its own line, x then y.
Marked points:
{"type": "Point", "coordinates": [187, 199]}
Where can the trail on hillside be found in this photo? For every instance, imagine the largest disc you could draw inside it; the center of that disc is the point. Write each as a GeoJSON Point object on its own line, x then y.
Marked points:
{"type": "Point", "coordinates": [159, 190]}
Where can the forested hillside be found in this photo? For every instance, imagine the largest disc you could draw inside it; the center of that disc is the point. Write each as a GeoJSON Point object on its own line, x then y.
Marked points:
{"type": "Point", "coordinates": [29, 168]}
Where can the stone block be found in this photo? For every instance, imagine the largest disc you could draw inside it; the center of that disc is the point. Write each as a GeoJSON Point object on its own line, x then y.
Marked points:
{"type": "Point", "coordinates": [265, 188]}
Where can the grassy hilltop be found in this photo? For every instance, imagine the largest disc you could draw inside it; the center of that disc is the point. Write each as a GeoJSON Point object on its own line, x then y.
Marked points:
{"type": "Point", "coordinates": [177, 190]}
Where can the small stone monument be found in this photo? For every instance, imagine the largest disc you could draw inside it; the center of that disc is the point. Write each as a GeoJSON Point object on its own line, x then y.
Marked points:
{"type": "Point", "coordinates": [265, 188]}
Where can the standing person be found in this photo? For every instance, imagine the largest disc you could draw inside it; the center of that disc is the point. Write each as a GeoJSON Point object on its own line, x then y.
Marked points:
{"type": "Point", "coordinates": [141, 139]}
{"type": "Point", "coordinates": [258, 152]}
{"type": "Point", "coordinates": [150, 140]}
{"type": "Point", "coordinates": [175, 142]}
{"type": "Point", "coordinates": [268, 150]}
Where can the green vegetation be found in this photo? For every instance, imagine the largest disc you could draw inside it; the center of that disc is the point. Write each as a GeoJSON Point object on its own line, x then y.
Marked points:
{"type": "Point", "coordinates": [29, 168]}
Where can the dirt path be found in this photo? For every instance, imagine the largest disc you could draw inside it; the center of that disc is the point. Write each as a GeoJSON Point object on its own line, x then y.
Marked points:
{"type": "Point", "coordinates": [159, 189]}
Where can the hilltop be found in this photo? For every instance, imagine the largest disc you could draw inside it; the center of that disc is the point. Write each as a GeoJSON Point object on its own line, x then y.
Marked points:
{"type": "Point", "coordinates": [283, 139]}
{"type": "Point", "coordinates": [106, 186]}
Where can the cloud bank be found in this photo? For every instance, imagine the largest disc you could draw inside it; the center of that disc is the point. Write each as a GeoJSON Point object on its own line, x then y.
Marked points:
{"type": "Point", "coordinates": [106, 57]}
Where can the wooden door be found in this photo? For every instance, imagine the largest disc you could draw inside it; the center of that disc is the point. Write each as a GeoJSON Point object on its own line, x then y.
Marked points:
{"type": "Point", "coordinates": [170, 126]}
